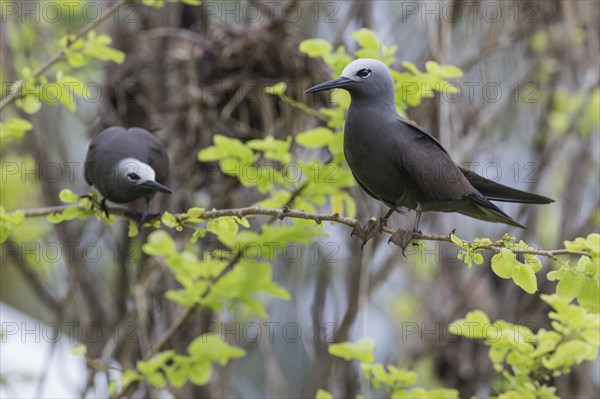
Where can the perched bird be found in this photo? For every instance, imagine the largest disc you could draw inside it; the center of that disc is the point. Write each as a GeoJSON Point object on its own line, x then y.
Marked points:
{"type": "Point", "coordinates": [397, 162]}
{"type": "Point", "coordinates": [125, 165]}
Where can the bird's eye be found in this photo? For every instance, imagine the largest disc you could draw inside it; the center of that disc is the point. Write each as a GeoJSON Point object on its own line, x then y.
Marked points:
{"type": "Point", "coordinates": [364, 73]}
{"type": "Point", "coordinates": [133, 176]}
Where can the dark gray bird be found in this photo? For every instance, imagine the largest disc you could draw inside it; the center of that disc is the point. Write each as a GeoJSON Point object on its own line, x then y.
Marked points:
{"type": "Point", "coordinates": [125, 165]}
{"type": "Point", "coordinates": [400, 164]}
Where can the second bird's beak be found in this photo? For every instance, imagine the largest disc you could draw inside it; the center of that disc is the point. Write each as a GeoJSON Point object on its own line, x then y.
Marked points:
{"type": "Point", "coordinates": [332, 84]}
{"type": "Point", "coordinates": [156, 186]}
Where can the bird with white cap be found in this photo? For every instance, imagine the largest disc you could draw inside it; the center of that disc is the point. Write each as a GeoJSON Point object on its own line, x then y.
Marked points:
{"type": "Point", "coordinates": [125, 165]}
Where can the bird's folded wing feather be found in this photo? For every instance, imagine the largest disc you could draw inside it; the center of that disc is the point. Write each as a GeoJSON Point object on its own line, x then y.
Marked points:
{"type": "Point", "coordinates": [427, 164]}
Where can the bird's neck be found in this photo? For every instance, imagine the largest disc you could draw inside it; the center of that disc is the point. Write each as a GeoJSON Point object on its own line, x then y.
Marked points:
{"type": "Point", "coordinates": [370, 108]}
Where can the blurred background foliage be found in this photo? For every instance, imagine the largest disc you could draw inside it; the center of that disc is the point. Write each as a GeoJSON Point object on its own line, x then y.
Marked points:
{"type": "Point", "coordinates": [510, 88]}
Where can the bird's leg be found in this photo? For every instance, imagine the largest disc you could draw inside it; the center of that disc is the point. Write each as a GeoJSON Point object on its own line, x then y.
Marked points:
{"type": "Point", "coordinates": [146, 215]}
{"type": "Point", "coordinates": [104, 207]}
{"type": "Point", "coordinates": [403, 237]}
{"type": "Point", "coordinates": [418, 211]}
{"type": "Point", "coordinates": [384, 219]}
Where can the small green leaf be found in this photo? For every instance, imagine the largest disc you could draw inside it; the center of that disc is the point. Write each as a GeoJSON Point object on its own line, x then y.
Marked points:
{"type": "Point", "coordinates": [68, 197]}
{"type": "Point", "coordinates": [159, 243]}
{"type": "Point", "coordinates": [569, 286]}
{"type": "Point", "coordinates": [224, 228]}
{"type": "Point", "coordinates": [315, 138]}
{"type": "Point", "coordinates": [456, 240]}
{"type": "Point", "coordinates": [278, 89]}
{"type": "Point", "coordinates": [169, 220]}
{"type": "Point", "coordinates": [315, 47]}
{"type": "Point", "coordinates": [361, 350]}
{"type": "Point", "coordinates": [367, 39]}
{"type": "Point", "coordinates": [503, 263]}
{"type": "Point", "coordinates": [79, 350]}
{"type": "Point", "coordinates": [478, 258]}
{"type": "Point", "coordinates": [474, 325]}
{"type": "Point", "coordinates": [14, 127]}
{"type": "Point", "coordinates": [55, 218]}
{"type": "Point", "coordinates": [589, 295]}
{"type": "Point", "coordinates": [323, 394]}
{"type": "Point", "coordinates": [524, 277]}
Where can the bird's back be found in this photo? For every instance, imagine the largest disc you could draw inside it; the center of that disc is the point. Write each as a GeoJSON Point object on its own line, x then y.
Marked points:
{"type": "Point", "coordinates": [400, 164]}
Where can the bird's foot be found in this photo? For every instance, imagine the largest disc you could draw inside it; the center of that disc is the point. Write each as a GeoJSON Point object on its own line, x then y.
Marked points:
{"type": "Point", "coordinates": [366, 229]}
{"type": "Point", "coordinates": [141, 217]}
{"type": "Point", "coordinates": [402, 238]}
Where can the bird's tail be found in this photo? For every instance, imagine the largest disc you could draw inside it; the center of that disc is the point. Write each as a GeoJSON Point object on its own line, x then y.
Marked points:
{"type": "Point", "coordinates": [499, 192]}
{"type": "Point", "coordinates": [482, 208]}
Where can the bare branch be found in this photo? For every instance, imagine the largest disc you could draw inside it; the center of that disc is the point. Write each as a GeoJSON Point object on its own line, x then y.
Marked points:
{"type": "Point", "coordinates": [317, 217]}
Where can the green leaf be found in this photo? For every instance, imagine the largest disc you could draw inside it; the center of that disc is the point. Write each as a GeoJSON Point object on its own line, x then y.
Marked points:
{"type": "Point", "coordinates": [55, 218]}
{"type": "Point", "coordinates": [30, 104]}
{"type": "Point", "coordinates": [68, 197]}
{"type": "Point", "coordinates": [411, 67]}
{"type": "Point", "coordinates": [195, 212]}
{"type": "Point", "coordinates": [315, 138]}
{"type": "Point", "coordinates": [15, 128]}
{"type": "Point", "coordinates": [323, 394]}
{"type": "Point", "coordinates": [78, 350]}
{"type": "Point", "coordinates": [169, 220]}
{"type": "Point", "coordinates": [569, 286]}
{"type": "Point", "coordinates": [474, 325]}
{"type": "Point", "coordinates": [8, 221]}
{"type": "Point", "coordinates": [367, 39]}
{"type": "Point", "coordinates": [589, 295]}
{"type": "Point", "coordinates": [212, 347]}
{"type": "Point", "coordinates": [524, 277]}
{"type": "Point", "coordinates": [361, 350]}
{"type": "Point", "coordinates": [159, 243]}
{"type": "Point", "coordinates": [478, 258]}
{"type": "Point", "coordinates": [97, 47]}
{"type": "Point", "coordinates": [74, 85]}
{"type": "Point", "coordinates": [234, 147]}
{"type": "Point", "coordinates": [224, 228]}
{"type": "Point", "coordinates": [278, 89]}
{"type": "Point", "coordinates": [503, 263]}
{"type": "Point", "coordinates": [443, 71]}
{"type": "Point", "coordinates": [212, 153]}
{"type": "Point", "coordinates": [75, 58]}
{"type": "Point", "coordinates": [315, 47]}
{"type": "Point", "coordinates": [456, 240]}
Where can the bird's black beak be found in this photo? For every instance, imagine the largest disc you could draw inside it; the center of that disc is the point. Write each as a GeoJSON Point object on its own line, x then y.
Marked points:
{"type": "Point", "coordinates": [332, 84]}
{"type": "Point", "coordinates": [156, 186]}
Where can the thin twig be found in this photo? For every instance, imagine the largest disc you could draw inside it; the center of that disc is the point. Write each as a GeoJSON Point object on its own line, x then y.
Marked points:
{"type": "Point", "coordinates": [317, 217]}
{"type": "Point", "coordinates": [60, 55]}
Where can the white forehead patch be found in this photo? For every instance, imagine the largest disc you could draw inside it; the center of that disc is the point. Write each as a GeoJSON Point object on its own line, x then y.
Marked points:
{"type": "Point", "coordinates": [357, 65]}
{"type": "Point", "coordinates": [132, 165]}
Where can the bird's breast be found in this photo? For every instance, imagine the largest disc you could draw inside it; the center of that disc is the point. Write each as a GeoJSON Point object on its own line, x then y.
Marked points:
{"type": "Point", "coordinates": [371, 156]}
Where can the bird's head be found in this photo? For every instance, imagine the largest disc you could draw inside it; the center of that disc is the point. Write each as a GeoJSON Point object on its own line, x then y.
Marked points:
{"type": "Point", "coordinates": [139, 177]}
{"type": "Point", "coordinates": [364, 79]}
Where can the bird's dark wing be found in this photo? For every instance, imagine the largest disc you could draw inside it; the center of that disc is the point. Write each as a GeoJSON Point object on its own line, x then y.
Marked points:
{"type": "Point", "coordinates": [427, 164]}
{"type": "Point", "coordinates": [154, 154]}
{"type": "Point", "coordinates": [103, 153]}
{"type": "Point", "coordinates": [498, 192]}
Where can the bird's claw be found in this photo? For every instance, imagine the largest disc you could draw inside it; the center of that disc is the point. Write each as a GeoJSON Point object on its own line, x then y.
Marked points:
{"type": "Point", "coordinates": [104, 207]}
{"type": "Point", "coordinates": [141, 218]}
{"type": "Point", "coordinates": [366, 229]}
{"type": "Point", "coordinates": [402, 238]}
